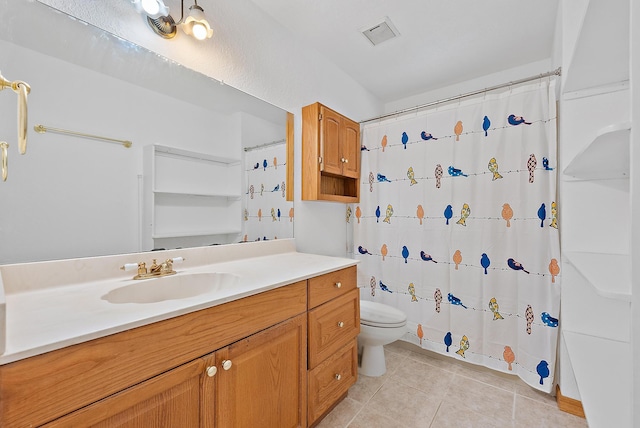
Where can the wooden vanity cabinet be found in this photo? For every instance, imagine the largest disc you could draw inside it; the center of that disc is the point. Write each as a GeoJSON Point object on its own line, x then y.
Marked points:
{"type": "Point", "coordinates": [149, 375]}
{"type": "Point", "coordinates": [334, 324]}
{"type": "Point", "coordinates": [281, 358]}
{"type": "Point", "coordinates": [256, 382]}
{"type": "Point", "coordinates": [330, 155]}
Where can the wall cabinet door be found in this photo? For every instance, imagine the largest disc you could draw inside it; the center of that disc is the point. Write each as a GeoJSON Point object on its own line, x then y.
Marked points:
{"type": "Point", "coordinates": [330, 137]}
{"type": "Point", "coordinates": [261, 380]}
{"type": "Point", "coordinates": [351, 149]}
{"type": "Point", "coordinates": [167, 400]}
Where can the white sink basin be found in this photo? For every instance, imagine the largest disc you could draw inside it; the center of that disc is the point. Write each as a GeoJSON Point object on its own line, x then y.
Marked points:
{"type": "Point", "coordinates": [175, 287]}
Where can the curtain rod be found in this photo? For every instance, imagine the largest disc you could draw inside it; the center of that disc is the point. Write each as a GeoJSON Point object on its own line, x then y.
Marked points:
{"type": "Point", "coordinates": [259, 146]}
{"type": "Point", "coordinates": [556, 72]}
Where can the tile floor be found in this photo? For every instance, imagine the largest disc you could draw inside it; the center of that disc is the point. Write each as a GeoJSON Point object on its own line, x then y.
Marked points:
{"type": "Point", "coordinates": [427, 390]}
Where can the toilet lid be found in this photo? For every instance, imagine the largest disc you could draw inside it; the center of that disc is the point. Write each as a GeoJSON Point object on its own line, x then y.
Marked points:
{"type": "Point", "coordinates": [379, 315]}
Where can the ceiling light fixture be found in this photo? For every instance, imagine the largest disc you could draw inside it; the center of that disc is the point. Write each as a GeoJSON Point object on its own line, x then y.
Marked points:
{"type": "Point", "coordinates": [163, 24]}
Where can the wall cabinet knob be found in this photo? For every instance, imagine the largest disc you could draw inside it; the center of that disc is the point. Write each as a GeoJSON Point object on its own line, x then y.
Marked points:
{"type": "Point", "coordinates": [340, 324]}
{"type": "Point", "coordinates": [345, 160]}
{"type": "Point", "coordinates": [338, 376]}
{"type": "Point", "coordinates": [211, 371]}
{"type": "Point", "coordinates": [342, 160]}
{"type": "Point", "coordinates": [338, 284]}
{"type": "Point", "coordinates": [226, 364]}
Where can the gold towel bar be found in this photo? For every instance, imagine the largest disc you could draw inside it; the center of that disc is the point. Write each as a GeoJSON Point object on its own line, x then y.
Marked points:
{"type": "Point", "coordinates": [42, 129]}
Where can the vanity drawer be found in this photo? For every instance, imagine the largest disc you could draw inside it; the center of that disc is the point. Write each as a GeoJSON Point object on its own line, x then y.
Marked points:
{"type": "Point", "coordinates": [331, 379]}
{"type": "Point", "coordinates": [326, 287]}
{"type": "Point", "coordinates": [332, 325]}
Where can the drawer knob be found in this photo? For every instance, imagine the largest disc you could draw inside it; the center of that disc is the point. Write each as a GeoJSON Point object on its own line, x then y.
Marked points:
{"type": "Point", "coordinates": [340, 324]}
{"type": "Point", "coordinates": [338, 284]}
{"type": "Point", "coordinates": [338, 376]}
{"type": "Point", "coordinates": [211, 371]}
{"type": "Point", "coordinates": [226, 364]}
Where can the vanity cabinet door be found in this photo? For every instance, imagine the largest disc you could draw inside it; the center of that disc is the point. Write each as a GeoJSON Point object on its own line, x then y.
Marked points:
{"type": "Point", "coordinates": [167, 400]}
{"type": "Point", "coordinates": [261, 380]}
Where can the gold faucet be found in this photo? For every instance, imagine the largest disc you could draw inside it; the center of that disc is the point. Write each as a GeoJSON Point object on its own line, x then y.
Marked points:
{"type": "Point", "coordinates": [155, 270]}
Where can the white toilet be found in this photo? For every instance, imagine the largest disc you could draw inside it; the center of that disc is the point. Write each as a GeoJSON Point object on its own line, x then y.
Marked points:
{"type": "Point", "coordinates": [379, 325]}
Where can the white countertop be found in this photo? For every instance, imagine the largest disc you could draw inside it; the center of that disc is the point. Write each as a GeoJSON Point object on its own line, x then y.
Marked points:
{"type": "Point", "coordinates": [42, 319]}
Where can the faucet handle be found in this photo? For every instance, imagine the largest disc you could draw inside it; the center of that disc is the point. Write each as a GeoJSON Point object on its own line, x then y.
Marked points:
{"type": "Point", "coordinates": [141, 267]}
{"type": "Point", "coordinates": [129, 266]}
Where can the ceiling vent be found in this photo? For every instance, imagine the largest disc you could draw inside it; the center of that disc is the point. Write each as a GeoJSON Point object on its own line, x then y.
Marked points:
{"type": "Point", "coordinates": [380, 32]}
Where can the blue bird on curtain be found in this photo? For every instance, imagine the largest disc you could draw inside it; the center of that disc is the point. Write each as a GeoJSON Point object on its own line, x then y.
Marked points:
{"type": "Point", "coordinates": [455, 301]}
{"type": "Point", "coordinates": [405, 253]}
{"type": "Point", "coordinates": [543, 370]}
{"type": "Point", "coordinates": [485, 262]}
{"type": "Point", "coordinates": [426, 136]}
{"type": "Point", "coordinates": [542, 214]}
{"type": "Point", "coordinates": [517, 120]}
{"type": "Point", "coordinates": [448, 213]}
{"type": "Point", "coordinates": [426, 257]}
{"type": "Point", "coordinates": [405, 139]}
{"type": "Point", "coordinates": [456, 172]}
{"type": "Point", "coordinates": [486, 123]}
{"type": "Point", "coordinates": [448, 340]}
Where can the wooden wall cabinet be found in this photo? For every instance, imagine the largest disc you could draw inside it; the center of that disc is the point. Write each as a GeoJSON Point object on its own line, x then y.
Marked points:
{"type": "Point", "coordinates": [334, 324]}
{"type": "Point", "coordinates": [330, 155]}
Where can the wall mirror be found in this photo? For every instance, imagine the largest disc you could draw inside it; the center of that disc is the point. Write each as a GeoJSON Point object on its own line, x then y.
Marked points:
{"type": "Point", "coordinates": [78, 196]}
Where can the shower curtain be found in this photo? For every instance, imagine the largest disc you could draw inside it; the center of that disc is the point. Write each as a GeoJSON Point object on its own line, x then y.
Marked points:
{"type": "Point", "coordinates": [266, 212]}
{"type": "Point", "coordinates": [457, 226]}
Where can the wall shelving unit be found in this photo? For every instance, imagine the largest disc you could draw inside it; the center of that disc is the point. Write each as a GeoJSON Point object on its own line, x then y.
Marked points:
{"type": "Point", "coordinates": [189, 195]}
{"type": "Point", "coordinates": [595, 188]}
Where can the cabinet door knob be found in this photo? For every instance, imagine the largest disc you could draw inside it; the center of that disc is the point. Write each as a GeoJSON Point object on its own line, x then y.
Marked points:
{"type": "Point", "coordinates": [340, 324]}
{"type": "Point", "coordinates": [342, 160]}
{"type": "Point", "coordinates": [345, 160]}
{"type": "Point", "coordinates": [338, 284]}
{"type": "Point", "coordinates": [211, 371]}
{"type": "Point", "coordinates": [338, 376]}
{"type": "Point", "coordinates": [226, 364]}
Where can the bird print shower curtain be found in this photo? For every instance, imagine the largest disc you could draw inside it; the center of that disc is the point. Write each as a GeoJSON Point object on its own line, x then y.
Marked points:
{"type": "Point", "coordinates": [457, 226]}
{"type": "Point", "coordinates": [266, 212]}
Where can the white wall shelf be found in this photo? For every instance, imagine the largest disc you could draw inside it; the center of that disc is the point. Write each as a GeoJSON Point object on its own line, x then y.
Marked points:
{"type": "Point", "coordinates": [190, 195]}
{"type": "Point", "coordinates": [202, 195]}
{"type": "Point", "coordinates": [608, 274]}
{"type": "Point", "coordinates": [606, 157]}
{"type": "Point", "coordinates": [209, 232]}
{"type": "Point", "coordinates": [601, 367]}
{"type": "Point", "coordinates": [601, 53]}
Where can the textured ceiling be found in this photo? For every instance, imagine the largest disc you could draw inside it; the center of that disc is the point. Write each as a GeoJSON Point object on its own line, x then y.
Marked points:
{"type": "Point", "coordinates": [440, 43]}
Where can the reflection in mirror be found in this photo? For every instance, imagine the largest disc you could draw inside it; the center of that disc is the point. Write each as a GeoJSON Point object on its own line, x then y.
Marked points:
{"type": "Point", "coordinates": [72, 196]}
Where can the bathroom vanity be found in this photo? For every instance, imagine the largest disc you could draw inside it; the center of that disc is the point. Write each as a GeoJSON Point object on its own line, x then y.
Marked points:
{"type": "Point", "coordinates": [276, 348]}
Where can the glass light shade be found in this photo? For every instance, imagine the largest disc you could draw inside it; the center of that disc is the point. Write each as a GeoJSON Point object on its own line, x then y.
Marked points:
{"type": "Point", "coordinates": [151, 8]}
{"type": "Point", "coordinates": [196, 25]}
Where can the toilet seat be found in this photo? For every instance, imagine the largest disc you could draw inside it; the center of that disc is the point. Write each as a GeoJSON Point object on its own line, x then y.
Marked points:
{"type": "Point", "coordinates": [382, 316]}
